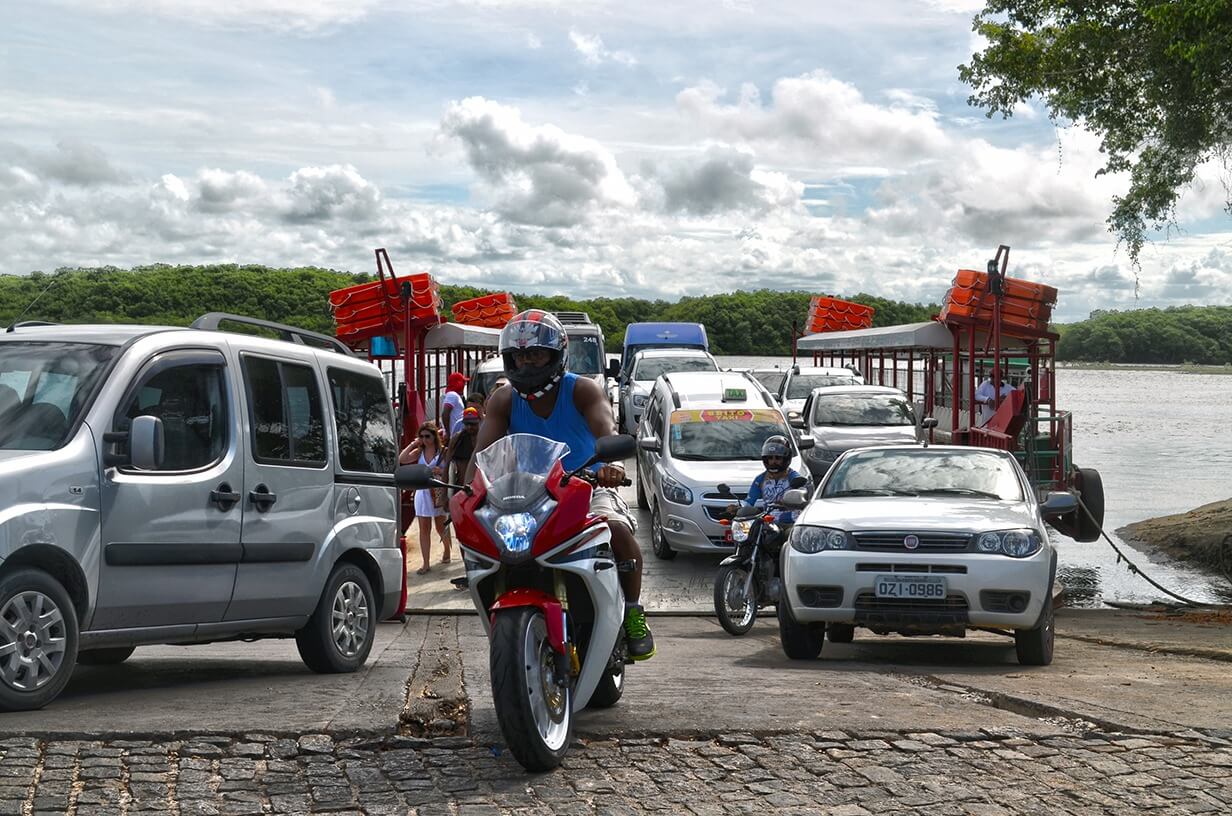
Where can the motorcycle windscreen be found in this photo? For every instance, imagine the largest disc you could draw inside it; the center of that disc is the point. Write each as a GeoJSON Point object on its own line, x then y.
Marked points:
{"type": "Point", "coordinates": [516, 468]}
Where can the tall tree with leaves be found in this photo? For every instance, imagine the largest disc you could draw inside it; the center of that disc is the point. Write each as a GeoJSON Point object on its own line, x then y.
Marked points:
{"type": "Point", "coordinates": [1152, 78]}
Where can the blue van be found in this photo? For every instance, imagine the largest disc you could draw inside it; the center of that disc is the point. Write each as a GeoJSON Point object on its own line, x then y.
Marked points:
{"type": "Point", "coordinates": [639, 336]}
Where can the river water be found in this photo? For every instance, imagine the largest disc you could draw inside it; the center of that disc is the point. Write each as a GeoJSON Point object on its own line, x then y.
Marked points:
{"type": "Point", "coordinates": [1162, 442]}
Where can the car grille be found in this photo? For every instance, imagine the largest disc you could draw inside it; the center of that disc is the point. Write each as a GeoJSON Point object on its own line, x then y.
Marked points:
{"type": "Point", "coordinates": [926, 569]}
{"type": "Point", "coordinates": [720, 541]}
{"type": "Point", "coordinates": [929, 542]}
{"type": "Point", "coordinates": [716, 513]}
{"type": "Point", "coordinates": [821, 597]}
{"type": "Point", "coordinates": [739, 497]}
{"type": "Point", "coordinates": [871, 610]}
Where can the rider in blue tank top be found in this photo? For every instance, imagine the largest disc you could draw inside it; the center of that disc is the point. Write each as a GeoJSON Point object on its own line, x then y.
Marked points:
{"type": "Point", "coordinates": [545, 400]}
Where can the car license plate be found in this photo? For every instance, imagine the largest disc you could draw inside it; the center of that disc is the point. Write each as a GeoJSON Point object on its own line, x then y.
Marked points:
{"type": "Point", "coordinates": [919, 588]}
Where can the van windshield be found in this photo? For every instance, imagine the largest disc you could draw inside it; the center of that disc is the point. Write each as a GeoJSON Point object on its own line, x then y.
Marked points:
{"type": "Point", "coordinates": [585, 356]}
{"type": "Point", "coordinates": [43, 389]}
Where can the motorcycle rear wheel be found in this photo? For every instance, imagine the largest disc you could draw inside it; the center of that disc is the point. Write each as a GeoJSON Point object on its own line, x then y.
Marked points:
{"type": "Point", "coordinates": [535, 713]}
{"type": "Point", "coordinates": [608, 692]}
{"type": "Point", "coordinates": [728, 587]}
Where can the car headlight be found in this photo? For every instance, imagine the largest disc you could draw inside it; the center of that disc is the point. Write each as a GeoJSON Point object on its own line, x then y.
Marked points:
{"type": "Point", "coordinates": [639, 400]}
{"type": "Point", "coordinates": [516, 530]}
{"type": "Point", "coordinates": [675, 492]}
{"type": "Point", "coordinates": [740, 530]}
{"type": "Point", "coordinates": [811, 540]}
{"type": "Point", "coordinates": [1014, 543]}
{"type": "Point", "coordinates": [823, 454]}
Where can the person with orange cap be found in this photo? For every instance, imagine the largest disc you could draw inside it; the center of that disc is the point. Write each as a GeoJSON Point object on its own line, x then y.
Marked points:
{"type": "Point", "coordinates": [452, 406]}
{"type": "Point", "coordinates": [462, 445]}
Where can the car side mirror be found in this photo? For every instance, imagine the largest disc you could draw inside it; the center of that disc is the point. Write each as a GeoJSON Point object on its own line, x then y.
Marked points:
{"type": "Point", "coordinates": [1058, 504]}
{"type": "Point", "coordinates": [146, 443]}
{"type": "Point", "coordinates": [649, 444]}
{"type": "Point", "coordinates": [928, 423]}
{"type": "Point", "coordinates": [795, 420]}
{"type": "Point", "coordinates": [778, 398]}
{"type": "Point", "coordinates": [613, 368]}
{"type": "Point", "coordinates": [793, 500]}
{"type": "Point", "coordinates": [414, 477]}
{"type": "Point", "coordinates": [806, 442]}
{"type": "Point", "coordinates": [614, 448]}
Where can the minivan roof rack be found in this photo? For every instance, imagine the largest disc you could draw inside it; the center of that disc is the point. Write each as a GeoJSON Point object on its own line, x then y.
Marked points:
{"type": "Point", "coordinates": [672, 388]}
{"type": "Point", "coordinates": [211, 320]}
{"type": "Point", "coordinates": [757, 386]}
{"type": "Point", "coordinates": [573, 318]}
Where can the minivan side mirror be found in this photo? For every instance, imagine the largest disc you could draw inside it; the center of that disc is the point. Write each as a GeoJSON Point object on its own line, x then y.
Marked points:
{"type": "Point", "coordinates": [793, 500]}
{"type": "Point", "coordinates": [650, 444]}
{"type": "Point", "coordinates": [414, 477]}
{"type": "Point", "coordinates": [146, 443]}
{"type": "Point", "coordinates": [613, 368]}
{"type": "Point", "coordinates": [795, 420]}
{"type": "Point", "coordinates": [614, 448]}
{"type": "Point", "coordinates": [1058, 504]}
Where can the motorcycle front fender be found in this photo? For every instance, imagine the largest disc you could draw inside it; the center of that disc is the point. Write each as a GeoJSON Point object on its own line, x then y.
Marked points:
{"type": "Point", "coordinates": [553, 613]}
{"type": "Point", "coordinates": [733, 559]}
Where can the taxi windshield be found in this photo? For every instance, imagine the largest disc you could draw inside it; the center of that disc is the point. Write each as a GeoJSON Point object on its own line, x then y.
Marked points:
{"type": "Point", "coordinates": [723, 434]}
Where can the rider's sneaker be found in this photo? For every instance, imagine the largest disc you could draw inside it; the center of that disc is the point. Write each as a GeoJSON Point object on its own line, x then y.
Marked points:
{"type": "Point", "coordinates": [638, 639]}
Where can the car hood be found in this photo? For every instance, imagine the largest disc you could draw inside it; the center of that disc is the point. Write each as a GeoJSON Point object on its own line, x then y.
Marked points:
{"type": "Point", "coordinates": [844, 437]}
{"type": "Point", "coordinates": [919, 514]}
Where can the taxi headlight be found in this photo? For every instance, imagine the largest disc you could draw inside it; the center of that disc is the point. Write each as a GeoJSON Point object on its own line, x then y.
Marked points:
{"type": "Point", "coordinates": [810, 540]}
{"type": "Point", "coordinates": [674, 491]}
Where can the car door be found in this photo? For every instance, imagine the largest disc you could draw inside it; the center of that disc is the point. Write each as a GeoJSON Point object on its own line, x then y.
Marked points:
{"type": "Point", "coordinates": [288, 493]}
{"type": "Point", "coordinates": [650, 428]}
{"type": "Point", "coordinates": [171, 536]}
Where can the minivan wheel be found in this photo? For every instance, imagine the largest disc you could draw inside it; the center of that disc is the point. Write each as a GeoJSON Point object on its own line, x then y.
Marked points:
{"type": "Point", "coordinates": [105, 657]}
{"type": "Point", "coordinates": [38, 639]}
{"type": "Point", "coordinates": [339, 635]}
{"type": "Point", "coordinates": [661, 548]}
{"type": "Point", "coordinates": [643, 503]}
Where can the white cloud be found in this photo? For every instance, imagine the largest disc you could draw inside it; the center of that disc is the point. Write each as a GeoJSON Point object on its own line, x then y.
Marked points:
{"type": "Point", "coordinates": [594, 52]}
{"type": "Point", "coordinates": [722, 180]}
{"type": "Point", "coordinates": [325, 193]}
{"type": "Point", "coordinates": [293, 15]}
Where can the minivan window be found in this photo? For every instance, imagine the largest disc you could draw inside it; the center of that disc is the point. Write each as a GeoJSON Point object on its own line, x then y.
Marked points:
{"type": "Point", "coordinates": [364, 421]}
{"type": "Point", "coordinates": [44, 388]}
{"type": "Point", "coordinates": [651, 368]}
{"type": "Point", "coordinates": [723, 434]}
{"type": "Point", "coordinates": [801, 386]}
{"type": "Point", "coordinates": [584, 356]}
{"type": "Point", "coordinates": [862, 409]}
{"type": "Point", "coordinates": [190, 400]}
{"type": "Point", "coordinates": [288, 427]}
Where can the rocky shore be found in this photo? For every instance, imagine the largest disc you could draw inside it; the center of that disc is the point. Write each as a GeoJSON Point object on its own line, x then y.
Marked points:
{"type": "Point", "coordinates": [1200, 538]}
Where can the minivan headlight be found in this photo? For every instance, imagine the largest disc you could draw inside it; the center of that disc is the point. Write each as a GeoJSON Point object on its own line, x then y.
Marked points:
{"type": "Point", "coordinates": [675, 492]}
{"type": "Point", "coordinates": [1014, 543]}
{"type": "Point", "coordinates": [516, 531]}
{"type": "Point", "coordinates": [810, 540]}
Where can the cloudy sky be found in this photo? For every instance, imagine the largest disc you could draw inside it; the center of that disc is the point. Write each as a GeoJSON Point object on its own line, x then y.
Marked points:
{"type": "Point", "coordinates": [582, 147]}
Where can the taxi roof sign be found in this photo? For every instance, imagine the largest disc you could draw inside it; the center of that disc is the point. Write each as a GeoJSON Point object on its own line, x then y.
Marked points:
{"type": "Point", "coordinates": [732, 394]}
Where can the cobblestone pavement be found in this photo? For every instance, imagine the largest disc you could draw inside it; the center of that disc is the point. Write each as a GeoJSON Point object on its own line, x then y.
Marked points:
{"type": "Point", "coordinates": [826, 773]}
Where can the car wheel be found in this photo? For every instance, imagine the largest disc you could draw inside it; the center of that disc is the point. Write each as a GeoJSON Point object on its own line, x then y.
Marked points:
{"type": "Point", "coordinates": [105, 657]}
{"type": "Point", "coordinates": [1034, 646]}
{"type": "Point", "coordinates": [643, 503]}
{"type": "Point", "coordinates": [801, 641]}
{"type": "Point", "coordinates": [661, 548]}
{"type": "Point", "coordinates": [339, 635]}
{"type": "Point", "coordinates": [840, 632]}
{"type": "Point", "coordinates": [38, 639]}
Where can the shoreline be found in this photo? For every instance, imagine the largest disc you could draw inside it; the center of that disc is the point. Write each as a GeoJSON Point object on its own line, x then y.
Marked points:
{"type": "Point", "coordinates": [1183, 368]}
{"type": "Point", "coordinates": [1199, 538]}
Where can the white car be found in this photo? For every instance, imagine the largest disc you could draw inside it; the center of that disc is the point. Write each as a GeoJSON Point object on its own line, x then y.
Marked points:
{"type": "Point", "coordinates": [800, 382]}
{"type": "Point", "coordinates": [646, 367]}
{"type": "Point", "coordinates": [922, 541]}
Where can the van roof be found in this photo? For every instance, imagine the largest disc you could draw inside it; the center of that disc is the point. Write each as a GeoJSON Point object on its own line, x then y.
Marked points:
{"type": "Point", "coordinates": [693, 334]}
{"type": "Point", "coordinates": [718, 388]}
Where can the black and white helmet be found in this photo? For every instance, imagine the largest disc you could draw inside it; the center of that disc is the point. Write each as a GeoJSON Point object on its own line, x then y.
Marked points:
{"type": "Point", "coordinates": [776, 445]}
{"type": "Point", "coordinates": [534, 328]}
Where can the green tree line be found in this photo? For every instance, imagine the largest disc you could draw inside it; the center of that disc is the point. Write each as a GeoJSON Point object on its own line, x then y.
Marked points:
{"type": "Point", "coordinates": [1180, 334]}
{"type": "Point", "coordinates": [744, 323]}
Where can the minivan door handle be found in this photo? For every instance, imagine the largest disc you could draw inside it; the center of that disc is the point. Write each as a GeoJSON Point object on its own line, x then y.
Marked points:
{"type": "Point", "coordinates": [261, 498]}
{"type": "Point", "coordinates": [224, 497]}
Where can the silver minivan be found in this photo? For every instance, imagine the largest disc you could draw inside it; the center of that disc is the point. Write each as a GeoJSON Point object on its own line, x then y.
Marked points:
{"type": "Point", "coordinates": [169, 485]}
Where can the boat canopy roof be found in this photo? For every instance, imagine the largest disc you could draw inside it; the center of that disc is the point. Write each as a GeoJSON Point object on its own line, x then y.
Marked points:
{"type": "Point", "coordinates": [930, 335]}
{"type": "Point", "coordinates": [457, 335]}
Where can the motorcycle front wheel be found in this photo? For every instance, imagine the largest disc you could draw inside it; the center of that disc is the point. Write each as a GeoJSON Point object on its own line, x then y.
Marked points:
{"type": "Point", "coordinates": [736, 610]}
{"type": "Point", "coordinates": [535, 711]}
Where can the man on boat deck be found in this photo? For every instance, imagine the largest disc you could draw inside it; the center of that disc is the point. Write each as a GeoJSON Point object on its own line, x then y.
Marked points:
{"type": "Point", "coordinates": [545, 399]}
{"type": "Point", "coordinates": [985, 395]}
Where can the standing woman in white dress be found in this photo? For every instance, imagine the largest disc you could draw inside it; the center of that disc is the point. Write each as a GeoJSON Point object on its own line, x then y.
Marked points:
{"type": "Point", "coordinates": [427, 449]}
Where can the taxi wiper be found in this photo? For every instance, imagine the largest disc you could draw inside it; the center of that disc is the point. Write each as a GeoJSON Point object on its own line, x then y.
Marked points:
{"type": "Point", "coordinates": [871, 491]}
{"type": "Point", "coordinates": [960, 491]}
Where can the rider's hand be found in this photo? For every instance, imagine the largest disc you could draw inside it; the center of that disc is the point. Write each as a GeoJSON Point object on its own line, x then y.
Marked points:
{"type": "Point", "coordinates": [611, 476]}
{"type": "Point", "coordinates": [732, 508]}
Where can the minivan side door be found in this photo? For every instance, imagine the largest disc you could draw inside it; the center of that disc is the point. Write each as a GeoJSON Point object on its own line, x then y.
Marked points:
{"type": "Point", "coordinates": [171, 537]}
{"type": "Point", "coordinates": [651, 427]}
{"type": "Point", "coordinates": [288, 489]}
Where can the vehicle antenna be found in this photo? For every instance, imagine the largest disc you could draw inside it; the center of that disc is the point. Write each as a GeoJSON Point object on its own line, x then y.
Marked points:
{"type": "Point", "coordinates": [55, 279]}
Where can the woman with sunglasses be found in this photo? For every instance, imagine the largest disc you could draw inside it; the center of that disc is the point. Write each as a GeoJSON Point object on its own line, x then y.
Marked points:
{"type": "Point", "coordinates": [427, 449]}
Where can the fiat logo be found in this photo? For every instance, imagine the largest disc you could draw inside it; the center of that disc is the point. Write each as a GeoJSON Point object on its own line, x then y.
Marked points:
{"type": "Point", "coordinates": [911, 542]}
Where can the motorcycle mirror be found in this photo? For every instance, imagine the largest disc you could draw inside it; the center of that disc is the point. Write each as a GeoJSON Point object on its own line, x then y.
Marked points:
{"type": "Point", "coordinates": [725, 491]}
{"type": "Point", "coordinates": [798, 482]}
{"type": "Point", "coordinates": [414, 477]}
{"type": "Point", "coordinates": [793, 500]}
{"type": "Point", "coordinates": [614, 448]}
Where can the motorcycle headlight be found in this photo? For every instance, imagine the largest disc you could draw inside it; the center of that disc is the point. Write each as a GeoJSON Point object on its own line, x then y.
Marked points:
{"type": "Point", "coordinates": [1014, 543]}
{"type": "Point", "coordinates": [675, 492]}
{"type": "Point", "coordinates": [810, 540]}
{"type": "Point", "coordinates": [516, 531]}
{"type": "Point", "coordinates": [740, 530]}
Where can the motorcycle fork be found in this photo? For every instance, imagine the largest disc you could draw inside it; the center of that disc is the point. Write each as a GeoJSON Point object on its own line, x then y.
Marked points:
{"type": "Point", "coordinates": [748, 581]}
{"type": "Point", "coordinates": [568, 667]}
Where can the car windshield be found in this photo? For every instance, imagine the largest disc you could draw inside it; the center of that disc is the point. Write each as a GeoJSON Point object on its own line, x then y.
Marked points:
{"type": "Point", "coordinates": [43, 389]}
{"type": "Point", "coordinates": [651, 368]}
{"type": "Point", "coordinates": [803, 384]}
{"type": "Point", "coordinates": [862, 409]}
{"type": "Point", "coordinates": [723, 434]}
{"type": "Point", "coordinates": [773, 380]}
{"type": "Point", "coordinates": [584, 356]}
{"type": "Point", "coordinates": [516, 468]}
{"type": "Point", "coordinates": [926, 471]}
